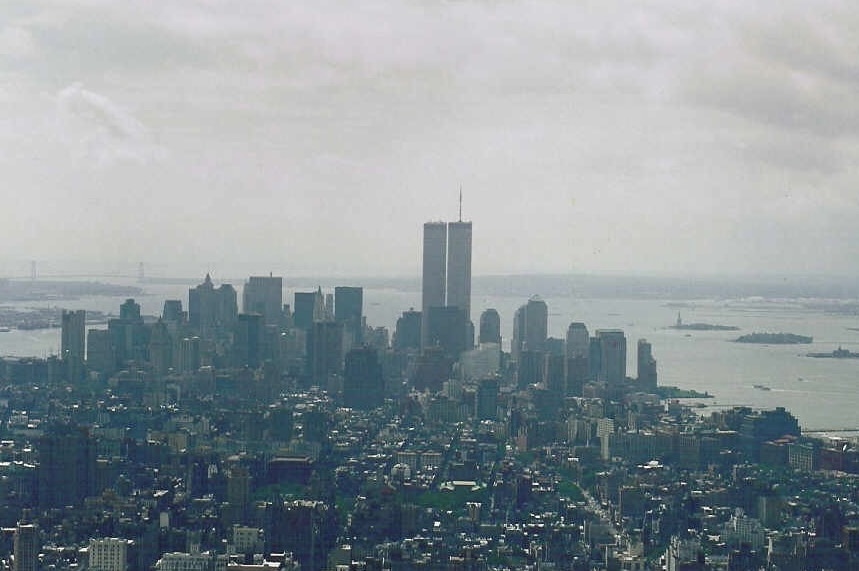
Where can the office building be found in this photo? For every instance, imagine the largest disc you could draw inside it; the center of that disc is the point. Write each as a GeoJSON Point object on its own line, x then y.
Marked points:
{"type": "Point", "coordinates": [612, 347]}
{"type": "Point", "coordinates": [486, 399]}
{"type": "Point", "coordinates": [646, 366]}
{"type": "Point", "coordinates": [264, 295]}
{"type": "Point", "coordinates": [446, 278]}
{"type": "Point", "coordinates": [407, 335]}
{"type": "Point", "coordinates": [578, 340]}
{"type": "Point", "coordinates": [172, 311]}
{"type": "Point", "coordinates": [73, 343]}
{"type": "Point", "coordinates": [67, 463]}
{"type": "Point", "coordinates": [363, 384]}
{"type": "Point", "coordinates": [325, 352]}
{"type": "Point", "coordinates": [108, 554]}
{"type": "Point", "coordinates": [490, 327]}
{"type": "Point", "coordinates": [447, 328]}
{"type": "Point", "coordinates": [212, 311]}
{"type": "Point", "coordinates": [530, 327]}
{"type": "Point", "coordinates": [459, 266]}
{"type": "Point", "coordinates": [434, 276]}
{"type": "Point", "coordinates": [349, 310]}
{"type": "Point", "coordinates": [248, 340]}
{"type": "Point", "coordinates": [100, 357]}
{"type": "Point", "coordinates": [25, 548]}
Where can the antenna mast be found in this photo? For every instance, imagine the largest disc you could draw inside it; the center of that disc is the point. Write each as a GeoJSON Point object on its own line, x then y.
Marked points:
{"type": "Point", "coordinates": [460, 203]}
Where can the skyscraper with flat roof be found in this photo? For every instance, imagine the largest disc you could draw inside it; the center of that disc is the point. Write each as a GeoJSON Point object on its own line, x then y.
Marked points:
{"type": "Point", "coordinates": [434, 276]}
{"type": "Point", "coordinates": [459, 266]}
{"type": "Point", "coordinates": [446, 279]}
{"type": "Point", "coordinates": [612, 345]}
{"type": "Point", "coordinates": [73, 343]}
{"type": "Point", "coordinates": [264, 295]}
{"type": "Point", "coordinates": [349, 310]}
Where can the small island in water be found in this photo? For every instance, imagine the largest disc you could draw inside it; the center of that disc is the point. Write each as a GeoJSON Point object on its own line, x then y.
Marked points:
{"type": "Point", "coordinates": [701, 326]}
{"type": "Point", "coordinates": [774, 339]}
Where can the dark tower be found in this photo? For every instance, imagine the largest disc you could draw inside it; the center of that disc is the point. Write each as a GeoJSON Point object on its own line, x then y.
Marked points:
{"type": "Point", "coordinates": [349, 310]}
{"type": "Point", "coordinates": [490, 327]}
{"type": "Point", "coordinates": [363, 385]}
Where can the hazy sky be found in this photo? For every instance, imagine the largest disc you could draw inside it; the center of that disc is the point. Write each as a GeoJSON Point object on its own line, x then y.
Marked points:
{"type": "Point", "coordinates": [317, 137]}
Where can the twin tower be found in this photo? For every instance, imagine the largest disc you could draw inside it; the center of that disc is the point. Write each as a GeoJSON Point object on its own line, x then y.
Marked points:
{"type": "Point", "coordinates": [446, 285]}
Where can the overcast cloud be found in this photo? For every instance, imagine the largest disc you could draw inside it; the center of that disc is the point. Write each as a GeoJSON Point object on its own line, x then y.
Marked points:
{"type": "Point", "coordinates": [317, 137]}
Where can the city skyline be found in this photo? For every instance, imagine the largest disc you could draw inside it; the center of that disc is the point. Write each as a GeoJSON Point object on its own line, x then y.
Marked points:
{"type": "Point", "coordinates": [666, 139]}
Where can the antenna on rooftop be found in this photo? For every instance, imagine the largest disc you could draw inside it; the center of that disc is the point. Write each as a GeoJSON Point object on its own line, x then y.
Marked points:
{"type": "Point", "coordinates": [460, 203]}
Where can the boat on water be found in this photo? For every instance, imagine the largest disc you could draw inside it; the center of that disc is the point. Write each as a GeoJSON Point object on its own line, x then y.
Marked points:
{"type": "Point", "coordinates": [762, 387]}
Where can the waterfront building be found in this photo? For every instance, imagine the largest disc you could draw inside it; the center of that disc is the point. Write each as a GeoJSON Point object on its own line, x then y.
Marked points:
{"type": "Point", "coordinates": [612, 348]}
{"type": "Point", "coordinates": [646, 366]}
{"type": "Point", "coordinates": [73, 343]}
{"type": "Point", "coordinates": [577, 341]}
{"type": "Point", "coordinates": [264, 295]}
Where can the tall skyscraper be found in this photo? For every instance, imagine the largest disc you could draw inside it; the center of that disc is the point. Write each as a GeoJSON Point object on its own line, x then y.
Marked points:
{"type": "Point", "coordinates": [530, 327]}
{"type": "Point", "coordinates": [578, 340]}
{"type": "Point", "coordinates": [349, 310]}
{"type": "Point", "coordinates": [434, 277]}
{"type": "Point", "coordinates": [73, 343]}
{"type": "Point", "coordinates": [446, 279]}
{"type": "Point", "coordinates": [646, 366]}
{"type": "Point", "coordinates": [212, 311]}
{"type": "Point", "coordinates": [612, 343]}
{"type": "Point", "coordinates": [264, 295]}
{"type": "Point", "coordinates": [459, 266]}
{"type": "Point", "coordinates": [25, 548]}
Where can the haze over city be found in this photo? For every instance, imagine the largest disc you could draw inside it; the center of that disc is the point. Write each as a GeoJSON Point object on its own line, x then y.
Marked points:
{"type": "Point", "coordinates": [663, 138]}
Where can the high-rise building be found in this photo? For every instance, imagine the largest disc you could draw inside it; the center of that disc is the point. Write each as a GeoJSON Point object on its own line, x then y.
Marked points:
{"type": "Point", "coordinates": [459, 266]}
{"type": "Point", "coordinates": [212, 311]}
{"type": "Point", "coordinates": [25, 548]}
{"type": "Point", "coordinates": [248, 340]}
{"type": "Point", "coordinates": [67, 464]}
{"type": "Point", "coordinates": [577, 350]}
{"type": "Point", "coordinates": [100, 356]}
{"type": "Point", "coordinates": [363, 384]}
{"type": "Point", "coordinates": [325, 352]}
{"type": "Point", "coordinates": [578, 340]}
{"type": "Point", "coordinates": [612, 343]}
{"type": "Point", "coordinates": [530, 327]}
{"type": "Point", "coordinates": [349, 310]}
{"type": "Point", "coordinates": [646, 366]}
{"type": "Point", "coordinates": [407, 335]}
{"type": "Point", "coordinates": [305, 302]}
{"type": "Point", "coordinates": [264, 295]}
{"type": "Point", "coordinates": [490, 327]}
{"type": "Point", "coordinates": [73, 343]}
{"type": "Point", "coordinates": [434, 276]}
{"type": "Point", "coordinates": [446, 278]}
